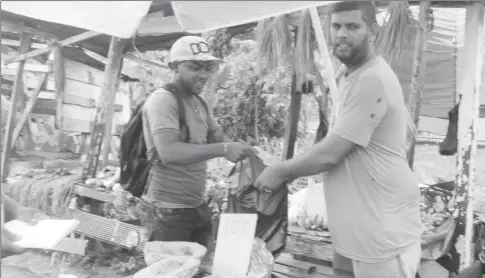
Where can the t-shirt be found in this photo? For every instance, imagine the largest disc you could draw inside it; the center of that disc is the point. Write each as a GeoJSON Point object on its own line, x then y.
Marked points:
{"type": "Point", "coordinates": [373, 196]}
{"type": "Point", "coordinates": [175, 186]}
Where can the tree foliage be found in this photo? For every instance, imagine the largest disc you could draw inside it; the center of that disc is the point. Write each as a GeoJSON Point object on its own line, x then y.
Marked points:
{"type": "Point", "coordinates": [244, 92]}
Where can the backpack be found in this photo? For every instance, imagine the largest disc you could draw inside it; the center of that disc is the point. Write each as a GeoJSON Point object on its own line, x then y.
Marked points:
{"type": "Point", "coordinates": [134, 162]}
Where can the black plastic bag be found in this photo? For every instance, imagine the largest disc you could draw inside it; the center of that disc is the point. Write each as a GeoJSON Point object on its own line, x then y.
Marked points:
{"type": "Point", "coordinates": [272, 208]}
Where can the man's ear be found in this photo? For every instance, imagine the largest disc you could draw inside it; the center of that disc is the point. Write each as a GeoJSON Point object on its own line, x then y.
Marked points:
{"type": "Point", "coordinates": [174, 67]}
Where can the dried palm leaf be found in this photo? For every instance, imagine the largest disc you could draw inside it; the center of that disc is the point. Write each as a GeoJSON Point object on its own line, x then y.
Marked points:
{"type": "Point", "coordinates": [305, 64]}
{"type": "Point", "coordinates": [398, 33]}
{"type": "Point", "coordinates": [274, 44]}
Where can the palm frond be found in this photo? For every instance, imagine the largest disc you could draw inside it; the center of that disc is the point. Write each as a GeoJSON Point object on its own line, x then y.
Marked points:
{"type": "Point", "coordinates": [305, 64]}
{"type": "Point", "coordinates": [274, 44]}
{"type": "Point", "coordinates": [397, 33]}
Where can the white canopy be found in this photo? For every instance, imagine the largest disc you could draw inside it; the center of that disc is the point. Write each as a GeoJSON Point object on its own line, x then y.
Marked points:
{"type": "Point", "coordinates": [203, 16]}
{"type": "Point", "coordinates": [115, 18]}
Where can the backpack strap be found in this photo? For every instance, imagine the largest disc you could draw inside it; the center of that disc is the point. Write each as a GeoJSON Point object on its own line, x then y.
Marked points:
{"type": "Point", "coordinates": [170, 87]}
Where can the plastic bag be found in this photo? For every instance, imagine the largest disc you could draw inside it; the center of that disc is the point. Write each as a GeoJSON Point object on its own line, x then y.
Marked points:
{"type": "Point", "coordinates": [271, 207]}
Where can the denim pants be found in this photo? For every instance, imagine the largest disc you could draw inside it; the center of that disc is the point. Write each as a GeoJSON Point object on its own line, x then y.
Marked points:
{"type": "Point", "coordinates": [179, 224]}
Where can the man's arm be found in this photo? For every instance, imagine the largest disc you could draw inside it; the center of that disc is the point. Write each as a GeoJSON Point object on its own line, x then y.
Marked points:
{"type": "Point", "coordinates": [162, 115]}
{"type": "Point", "coordinates": [366, 106]}
{"type": "Point", "coordinates": [173, 151]}
{"type": "Point", "coordinates": [317, 159]}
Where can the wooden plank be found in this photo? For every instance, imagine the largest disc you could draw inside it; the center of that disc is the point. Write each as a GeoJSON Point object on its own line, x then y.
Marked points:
{"type": "Point", "coordinates": [92, 193]}
{"type": "Point", "coordinates": [17, 43]}
{"type": "Point", "coordinates": [292, 121]}
{"type": "Point", "coordinates": [286, 259]}
{"type": "Point", "coordinates": [418, 74]}
{"type": "Point", "coordinates": [145, 62]}
{"type": "Point", "coordinates": [17, 90]}
{"type": "Point", "coordinates": [103, 111]}
{"type": "Point", "coordinates": [27, 67]}
{"type": "Point", "coordinates": [308, 247]}
{"type": "Point", "coordinates": [114, 65]}
{"type": "Point", "coordinates": [16, 27]}
{"type": "Point", "coordinates": [68, 41]}
{"type": "Point", "coordinates": [76, 125]}
{"type": "Point", "coordinates": [60, 82]}
{"type": "Point", "coordinates": [467, 131]}
{"type": "Point", "coordinates": [28, 109]}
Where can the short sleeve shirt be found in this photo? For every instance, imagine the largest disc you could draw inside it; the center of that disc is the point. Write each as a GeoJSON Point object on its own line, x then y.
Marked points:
{"type": "Point", "coordinates": [175, 186]}
{"type": "Point", "coordinates": [372, 196]}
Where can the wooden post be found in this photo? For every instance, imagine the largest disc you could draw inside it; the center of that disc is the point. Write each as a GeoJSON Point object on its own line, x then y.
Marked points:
{"type": "Point", "coordinates": [329, 72]}
{"type": "Point", "coordinates": [28, 108]}
{"type": "Point", "coordinates": [467, 130]}
{"type": "Point", "coordinates": [16, 91]}
{"type": "Point", "coordinates": [104, 110]}
{"type": "Point", "coordinates": [292, 122]}
{"type": "Point", "coordinates": [60, 81]}
{"type": "Point", "coordinates": [418, 74]}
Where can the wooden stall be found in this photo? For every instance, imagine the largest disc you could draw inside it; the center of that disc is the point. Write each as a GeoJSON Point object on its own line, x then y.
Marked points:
{"type": "Point", "coordinates": [307, 254]}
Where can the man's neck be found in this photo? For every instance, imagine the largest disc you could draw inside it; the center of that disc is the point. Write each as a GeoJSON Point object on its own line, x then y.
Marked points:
{"type": "Point", "coordinates": [353, 68]}
{"type": "Point", "coordinates": [182, 90]}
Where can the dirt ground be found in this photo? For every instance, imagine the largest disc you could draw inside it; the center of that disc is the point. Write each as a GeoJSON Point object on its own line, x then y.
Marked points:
{"type": "Point", "coordinates": [38, 265]}
{"type": "Point", "coordinates": [428, 163]}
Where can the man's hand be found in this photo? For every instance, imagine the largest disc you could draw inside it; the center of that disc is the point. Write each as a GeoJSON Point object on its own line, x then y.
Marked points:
{"type": "Point", "coordinates": [237, 151]}
{"type": "Point", "coordinates": [270, 179]}
{"type": "Point", "coordinates": [8, 246]}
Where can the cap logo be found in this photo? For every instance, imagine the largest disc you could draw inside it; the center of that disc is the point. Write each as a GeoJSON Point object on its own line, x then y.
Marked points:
{"type": "Point", "coordinates": [200, 47]}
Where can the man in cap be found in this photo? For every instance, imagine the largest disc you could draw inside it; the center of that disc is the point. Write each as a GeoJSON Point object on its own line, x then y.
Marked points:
{"type": "Point", "coordinates": [372, 195]}
{"type": "Point", "coordinates": [177, 179]}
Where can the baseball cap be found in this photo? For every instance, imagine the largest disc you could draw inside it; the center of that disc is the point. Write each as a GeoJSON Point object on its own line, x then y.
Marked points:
{"type": "Point", "coordinates": [191, 48]}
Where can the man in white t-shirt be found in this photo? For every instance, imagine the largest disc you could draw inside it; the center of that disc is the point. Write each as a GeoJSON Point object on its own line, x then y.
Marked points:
{"type": "Point", "coordinates": [371, 193]}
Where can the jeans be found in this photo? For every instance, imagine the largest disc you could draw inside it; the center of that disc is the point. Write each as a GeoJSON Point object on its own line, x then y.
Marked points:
{"type": "Point", "coordinates": [179, 224]}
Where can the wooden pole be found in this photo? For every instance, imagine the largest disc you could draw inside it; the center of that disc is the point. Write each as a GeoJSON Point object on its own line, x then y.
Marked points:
{"type": "Point", "coordinates": [418, 74]}
{"type": "Point", "coordinates": [60, 81]}
{"type": "Point", "coordinates": [467, 130]}
{"type": "Point", "coordinates": [104, 110]}
{"type": "Point", "coordinates": [74, 39]}
{"type": "Point", "coordinates": [292, 122]}
{"type": "Point", "coordinates": [28, 108]}
{"type": "Point", "coordinates": [16, 91]}
{"type": "Point", "coordinates": [329, 72]}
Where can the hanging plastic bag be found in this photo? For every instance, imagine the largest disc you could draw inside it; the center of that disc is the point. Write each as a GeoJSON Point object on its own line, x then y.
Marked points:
{"type": "Point", "coordinates": [271, 207]}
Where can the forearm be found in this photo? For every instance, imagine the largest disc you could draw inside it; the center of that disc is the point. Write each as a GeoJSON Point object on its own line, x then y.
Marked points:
{"type": "Point", "coordinates": [180, 153]}
{"type": "Point", "coordinates": [312, 162]}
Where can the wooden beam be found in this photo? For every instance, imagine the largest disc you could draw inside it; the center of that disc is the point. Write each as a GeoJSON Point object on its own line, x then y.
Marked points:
{"type": "Point", "coordinates": [143, 61]}
{"type": "Point", "coordinates": [17, 44]}
{"type": "Point", "coordinates": [17, 90]}
{"type": "Point", "coordinates": [28, 109]}
{"type": "Point", "coordinates": [27, 67]}
{"type": "Point", "coordinates": [418, 74]}
{"type": "Point", "coordinates": [16, 27]}
{"type": "Point", "coordinates": [60, 81]}
{"type": "Point", "coordinates": [467, 130]}
{"type": "Point", "coordinates": [77, 38]}
{"type": "Point", "coordinates": [104, 111]}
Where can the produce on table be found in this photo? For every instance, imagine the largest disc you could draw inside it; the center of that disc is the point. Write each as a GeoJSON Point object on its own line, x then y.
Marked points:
{"type": "Point", "coordinates": [107, 178]}
{"type": "Point", "coordinates": [159, 250]}
{"type": "Point", "coordinates": [436, 207]}
{"type": "Point", "coordinates": [298, 213]}
{"type": "Point", "coordinates": [172, 267]}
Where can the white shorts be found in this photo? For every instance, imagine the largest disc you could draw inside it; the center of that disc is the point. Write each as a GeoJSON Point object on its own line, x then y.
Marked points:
{"type": "Point", "coordinates": [405, 265]}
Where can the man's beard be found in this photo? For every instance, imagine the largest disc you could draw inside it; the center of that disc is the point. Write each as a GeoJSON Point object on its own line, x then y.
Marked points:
{"type": "Point", "coordinates": [355, 54]}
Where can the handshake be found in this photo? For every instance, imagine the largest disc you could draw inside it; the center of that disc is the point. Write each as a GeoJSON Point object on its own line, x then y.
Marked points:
{"type": "Point", "coordinates": [235, 151]}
